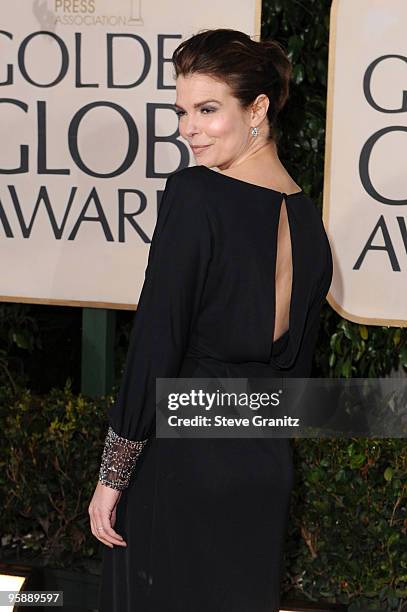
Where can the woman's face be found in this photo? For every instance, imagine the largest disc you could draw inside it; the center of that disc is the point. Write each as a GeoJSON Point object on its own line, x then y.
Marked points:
{"type": "Point", "coordinates": [209, 116]}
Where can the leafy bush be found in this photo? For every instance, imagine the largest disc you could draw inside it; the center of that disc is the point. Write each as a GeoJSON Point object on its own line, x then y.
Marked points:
{"type": "Point", "coordinates": [49, 464]}
{"type": "Point", "coordinates": [348, 522]}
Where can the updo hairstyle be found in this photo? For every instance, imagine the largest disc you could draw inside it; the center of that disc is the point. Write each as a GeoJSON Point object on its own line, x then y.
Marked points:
{"type": "Point", "coordinates": [249, 68]}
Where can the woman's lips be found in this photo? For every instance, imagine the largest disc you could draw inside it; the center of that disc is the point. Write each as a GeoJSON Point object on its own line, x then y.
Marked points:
{"type": "Point", "coordinates": [199, 149]}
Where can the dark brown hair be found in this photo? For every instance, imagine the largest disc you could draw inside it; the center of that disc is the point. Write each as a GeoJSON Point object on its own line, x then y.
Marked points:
{"type": "Point", "coordinates": [249, 68]}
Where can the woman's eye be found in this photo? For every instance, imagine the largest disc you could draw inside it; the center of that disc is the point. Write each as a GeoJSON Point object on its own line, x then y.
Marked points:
{"type": "Point", "coordinates": [180, 113]}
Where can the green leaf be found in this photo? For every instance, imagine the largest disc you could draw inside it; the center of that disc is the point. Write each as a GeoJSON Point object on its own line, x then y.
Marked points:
{"type": "Point", "coordinates": [363, 332]}
{"type": "Point", "coordinates": [347, 368]}
{"type": "Point", "coordinates": [298, 74]}
{"type": "Point", "coordinates": [388, 474]}
{"type": "Point", "coordinates": [22, 340]}
{"type": "Point", "coordinates": [396, 337]}
{"type": "Point", "coordinates": [357, 460]}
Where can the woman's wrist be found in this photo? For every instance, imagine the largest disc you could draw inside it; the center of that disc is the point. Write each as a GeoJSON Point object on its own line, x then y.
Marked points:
{"type": "Point", "coordinates": [119, 459]}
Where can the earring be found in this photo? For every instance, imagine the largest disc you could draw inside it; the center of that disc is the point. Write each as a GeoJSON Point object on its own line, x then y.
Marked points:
{"type": "Point", "coordinates": [255, 131]}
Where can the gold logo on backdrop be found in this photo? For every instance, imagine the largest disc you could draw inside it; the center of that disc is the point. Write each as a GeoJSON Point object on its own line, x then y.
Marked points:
{"type": "Point", "coordinates": [116, 13]}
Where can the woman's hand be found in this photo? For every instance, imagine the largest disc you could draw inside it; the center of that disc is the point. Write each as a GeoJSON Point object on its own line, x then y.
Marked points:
{"type": "Point", "coordinates": [102, 512]}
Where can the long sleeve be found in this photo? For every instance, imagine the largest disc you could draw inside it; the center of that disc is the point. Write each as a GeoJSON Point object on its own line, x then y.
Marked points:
{"type": "Point", "coordinates": [175, 276]}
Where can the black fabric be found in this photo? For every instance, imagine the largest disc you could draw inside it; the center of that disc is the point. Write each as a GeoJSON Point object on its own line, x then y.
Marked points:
{"type": "Point", "coordinates": [205, 519]}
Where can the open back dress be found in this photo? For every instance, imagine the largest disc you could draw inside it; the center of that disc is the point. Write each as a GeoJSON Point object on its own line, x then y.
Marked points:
{"type": "Point", "coordinates": [205, 518]}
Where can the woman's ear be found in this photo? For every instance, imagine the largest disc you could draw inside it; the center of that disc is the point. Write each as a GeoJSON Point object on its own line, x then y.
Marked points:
{"type": "Point", "coordinates": [259, 109]}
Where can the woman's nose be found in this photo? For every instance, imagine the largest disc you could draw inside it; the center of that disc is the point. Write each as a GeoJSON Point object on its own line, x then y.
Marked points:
{"type": "Point", "coordinates": [190, 127]}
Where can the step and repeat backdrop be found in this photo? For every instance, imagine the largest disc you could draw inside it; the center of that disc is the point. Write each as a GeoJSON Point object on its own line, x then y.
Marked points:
{"type": "Point", "coordinates": [365, 189]}
{"type": "Point", "coordinates": [88, 135]}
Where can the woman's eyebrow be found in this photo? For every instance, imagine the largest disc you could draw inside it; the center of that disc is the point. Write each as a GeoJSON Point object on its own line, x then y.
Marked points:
{"type": "Point", "coordinates": [197, 104]}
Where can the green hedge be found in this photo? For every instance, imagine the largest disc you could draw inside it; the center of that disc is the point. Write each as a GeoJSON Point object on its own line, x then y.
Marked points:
{"type": "Point", "coordinates": [49, 462]}
{"type": "Point", "coordinates": [348, 524]}
{"type": "Point", "coordinates": [347, 518]}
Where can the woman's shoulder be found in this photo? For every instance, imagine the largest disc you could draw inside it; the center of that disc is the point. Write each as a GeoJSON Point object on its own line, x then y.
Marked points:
{"type": "Point", "coordinates": [184, 194]}
{"type": "Point", "coordinates": [186, 176]}
{"type": "Point", "coordinates": [187, 189]}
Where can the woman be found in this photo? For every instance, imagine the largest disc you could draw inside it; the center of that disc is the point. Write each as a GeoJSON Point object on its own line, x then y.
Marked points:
{"type": "Point", "coordinates": [238, 269]}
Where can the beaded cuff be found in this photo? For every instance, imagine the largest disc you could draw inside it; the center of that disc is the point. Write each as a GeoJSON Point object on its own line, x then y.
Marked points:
{"type": "Point", "coordinates": [119, 459]}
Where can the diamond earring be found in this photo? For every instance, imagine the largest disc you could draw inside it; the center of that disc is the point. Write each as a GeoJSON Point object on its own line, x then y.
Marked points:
{"type": "Point", "coordinates": [255, 131]}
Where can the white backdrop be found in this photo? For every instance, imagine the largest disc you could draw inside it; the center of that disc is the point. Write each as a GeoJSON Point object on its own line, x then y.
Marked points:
{"type": "Point", "coordinates": [88, 137]}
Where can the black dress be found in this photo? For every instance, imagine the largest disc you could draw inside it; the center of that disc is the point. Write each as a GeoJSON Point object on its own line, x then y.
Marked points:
{"type": "Point", "coordinates": [205, 519]}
